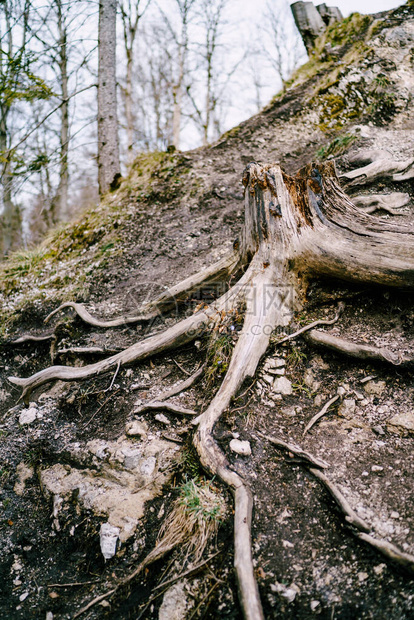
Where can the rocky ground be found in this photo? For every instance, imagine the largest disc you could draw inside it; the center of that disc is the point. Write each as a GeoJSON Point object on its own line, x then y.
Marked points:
{"type": "Point", "coordinates": [79, 456]}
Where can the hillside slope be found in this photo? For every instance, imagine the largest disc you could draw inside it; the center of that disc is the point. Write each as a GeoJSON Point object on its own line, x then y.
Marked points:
{"type": "Point", "coordinates": [80, 455]}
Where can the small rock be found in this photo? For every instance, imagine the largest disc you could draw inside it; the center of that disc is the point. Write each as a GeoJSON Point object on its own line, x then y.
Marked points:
{"type": "Point", "coordinates": [24, 473]}
{"type": "Point", "coordinates": [109, 537]}
{"type": "Point", "coordinates": [269, 379]}
{"type": "Point", "coordinates": [377, 468]}
{"type": "Point", "coordinates": [365, 473]}
{"type": "Point", "coordinates": [240, 447]}
{"type": "Point", "coordinates": [347, 407]}
{"type": "Point", "coordinates": [49, 615]}
{"type": "Point", "coordinates": [364, 402]}
{"type": "Point", "coordinates": [395, 515]}
{"type": "Point", "coordinates": [28, 416]}
{"type": "Point", "coordinates": [174, 604]}
{"type": "Point", "coordinates": [318, 400]}
{"type": "Point", "coordinates": [23, 596]}
{"type": "Point", "coordinates": [379, 569]}
{"type": "Point", "coordinates": [279, 372]}
{"type": "Point", "coordinates": [136, 428]}
{"type": "Point", "coordinates": [376, 388]}
{"type": "Point", "coordinates": [160, 417]}
{"type": "Point", "coordinates": [314, 605]}
{"type": "Point", "coordinates": [131, 458]}
{"type": "Point", "coordinates": [362, 576]}
{"type": "Point", "coordinates": [341, 391]}
{"type": "Point", "coordinates": [275, 362]}
{"type": "Point", "coordinates": [402, 422]}
{"type": "Point", "coordinates": [309, 378]}
{"type": "Point", "coordinates": [379, 430]}
{"type": "Point", "coordinates": [288, 593]}
{"type": "Point", "coordinates": [148, 466]}
{"type": "Point", "coordinates": [359, 395]}
{"type": "Point", "coordinates": [282, 386]}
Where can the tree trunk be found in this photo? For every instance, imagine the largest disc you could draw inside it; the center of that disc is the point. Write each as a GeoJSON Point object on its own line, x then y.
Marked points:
{"type": "Point", "coordinates": [60, 204]}
{"type": "Point", "coordinates": [108, 146]}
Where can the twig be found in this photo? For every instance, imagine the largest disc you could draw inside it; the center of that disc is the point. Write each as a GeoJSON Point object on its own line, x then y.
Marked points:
{"type": "Point", "coordinates": [181, 368]}
{"type": "Point", "coordinates": [321, 413]}
{"type": "Point", "coordinates": [114, 377]}
{"type": "Point", "coordinates": [207, 596]}
{"type": "Point", "coordinates": [94, 602]}
{"type": "Point", "coordinates": [98, 410]}
{"type": "Point", "coordinates": [71, 585]}
{"type": "Point", "coordinates": [296, 450]}
{"type": "Point", "coordinates": [188, 572]}
{"type": "Point", "coordinates": [406, 560]}
{"type": "Point", "coordinates": [341, 307]}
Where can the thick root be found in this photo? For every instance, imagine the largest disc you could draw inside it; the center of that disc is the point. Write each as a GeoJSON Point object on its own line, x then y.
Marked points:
{"type": "Point", "coordinates": [175, 295]}
{"type": "Point", "coordinates": [382, 202]}
{"type": "Point", "coordinates": [178, 335]}
{"type": "Point", "coordinates": [382, 167]}
{"type": "Point", "coordinates": [360, 351]}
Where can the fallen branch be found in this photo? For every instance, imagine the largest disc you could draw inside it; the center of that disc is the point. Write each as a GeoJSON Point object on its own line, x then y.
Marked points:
{"type": "Point", "coordinates": [296, 450]}
{"type": "Point", "coordinates": [319, 415]}
{"type": "Point", "coordinates": [360, 351]}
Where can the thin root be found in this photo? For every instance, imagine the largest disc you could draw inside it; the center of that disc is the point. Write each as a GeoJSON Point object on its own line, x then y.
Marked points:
{"type": "Point", "coordinates": [321, 413]}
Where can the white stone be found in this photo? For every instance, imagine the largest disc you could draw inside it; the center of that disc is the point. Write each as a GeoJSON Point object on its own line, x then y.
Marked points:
{"type": "Point", "coordinates": [395, 515]}
{"type": "Point", "coordinates": [240, 447]}
{"type": "Point", "coordinates": [131, 458]}
{"type": "Point", "coordinates": [269, 379]}
{"type": "Point", "coordinates": [160, 417]}
{"type": "Point", "coordinates": [403, 422]}
{"type": "Point", "coordinates": [174, 604]}
{"type": "Point", "coordinates": [109, 537]}
{"type": "Point", "coordinates": [28, 416]}
{"type": "Point", "coordinates": [24, 472]}
{"type": "Point", "coordinates": [282, 386]}
{"type": "Point", "coordinates": [314, 605]}
{"type": "Point", "coordinates": [377, 468]}
{"type": "Point", "coordinates": [347, 407]}
{"type": "Point", "coordinates": [136, 428]}
{"type": "Point", "coordinates": [362, 576]}
{"type": "Point", "coordinates": [288, 593]}
{"type": "Point", "coordinates": [148, 465]}
{"type": "Point", "coordinates": [23, 596]}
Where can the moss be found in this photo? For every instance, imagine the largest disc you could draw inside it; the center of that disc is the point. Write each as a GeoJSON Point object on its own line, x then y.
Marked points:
{"type": "Point", "coordinates": [336, 147]}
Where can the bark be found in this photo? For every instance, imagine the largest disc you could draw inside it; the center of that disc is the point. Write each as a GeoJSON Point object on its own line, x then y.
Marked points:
{"type": "Point", "coordinates": [60, 202]}
{"type": "Point", "coordinates": [108, 146]}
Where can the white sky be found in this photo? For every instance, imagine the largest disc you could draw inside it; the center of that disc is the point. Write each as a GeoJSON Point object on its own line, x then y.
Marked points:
{"type": "Point", "coordinates": [363, 6]}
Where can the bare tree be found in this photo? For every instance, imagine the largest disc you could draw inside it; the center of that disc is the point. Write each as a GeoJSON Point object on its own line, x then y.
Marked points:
{"type": "Point", "coordinates": [131, 13]}
{"type": "Point", "coordinates": [283, 47]}
{"type": "Point", "coordinates": [108, 145]}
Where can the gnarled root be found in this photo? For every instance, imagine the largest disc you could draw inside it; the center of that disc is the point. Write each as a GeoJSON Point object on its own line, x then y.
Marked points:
{"type": "Point", "coordinates": [182, 333]}
{"type": "Point", "coordinates": [360, 351]}
{"type": "Point", "coordinates": [382, 202]}
{"type": "Point", "coordinates": [382, 166]}
{"type": "Point", "coordinates": [175, 295]}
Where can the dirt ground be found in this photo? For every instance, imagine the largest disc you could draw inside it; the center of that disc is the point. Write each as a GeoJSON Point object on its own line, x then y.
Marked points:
{"type": "Point", "coordinates": [308, 561]}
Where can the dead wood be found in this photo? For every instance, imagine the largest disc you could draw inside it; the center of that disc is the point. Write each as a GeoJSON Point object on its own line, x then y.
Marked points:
{"type": "Point", "coordinates": [382, 202]}
{"type": "Point", "coordinates": [357, 350]}
{"type": "Point", "coordinates": [172, 297]}
{"type": "Point", "coordinates": [296, 450]}
{"type": "Point", "coordinates": [295, 228]}
{"type": "Point", "coordinates": [177, 409]}
{"type": "Point", "coordinates": [381, 167]}
{"type": "Point", "coordinates": [319, 415]}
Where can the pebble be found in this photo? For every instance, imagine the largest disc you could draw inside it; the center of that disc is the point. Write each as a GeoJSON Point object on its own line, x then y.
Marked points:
{"type": "Point", "coordinates": [379, 430]}
{"type": "Point", "coordinates": [23, 596]}
{"type": "Point", "coordinates": [379, 569]}
{"type": "Point", "coordinates": [377, 468]}
{"type": "Point", "coordinates": [395, 515]}
{"type": "Point", "coordinates": [28, 416]}
{"type": "Point", "coordinates": [136, 428]}
{"type": "Point", "coordinates": [363, 576]}
{"type": "Point", "coordinates": [347, 407]}
{"type": "Point", "coordinates": [314, 605]}
{"type": "Point", "coordinates": [282, 386]}
{"type": "Point", "coordinates": [288, 593]}
{"type": "Point", "coordinates": [240, 447]}
{"type": "Point", "coordinates": [108, 538]}
{"type": "Point", "coordinates": [269, 379]}
{"type": "Point", "coordinates": [160, 417]}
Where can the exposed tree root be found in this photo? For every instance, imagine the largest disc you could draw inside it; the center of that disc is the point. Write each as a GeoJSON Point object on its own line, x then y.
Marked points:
{"type": "Point", "coordinates": [381, 167]}
{"type": "Point", "coordinates": [319, 415]}
{"type": "Point", "coordinates": [175, 295]}
{"type": "Point", "coordinates": [296, 450]}
{"type": "Point", "coordinates": [156, 404]}
{"type": "Point", "coordinates": [33, 338]}
{"type": "Point", "coordinates": [306, 328]}
{"type": "Point", "coordinates": [389, 550]}
{"type": "Point", "coordinates": [295, 228]}
{"type": "Point", "coordinates": [360, 351]}
{"type": "Point", "coordinates": [382, 202]}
